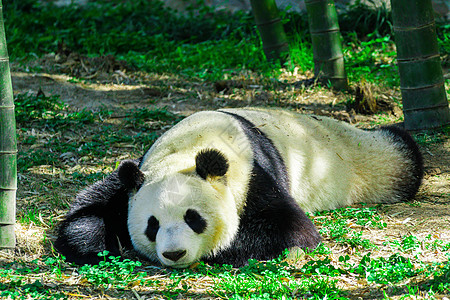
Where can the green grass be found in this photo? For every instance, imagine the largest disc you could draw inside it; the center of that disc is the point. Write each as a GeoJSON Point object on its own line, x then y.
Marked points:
{"type": "Point", "coordinates": [54, 120]}
{"type": "Point", "coordinates": [144, 33]}
{"type": "Point", "coordinates": [199, 44]}
{"type": "Point", "coordinates": [112, 272]}
{"type": "Point", "coordinates": [121, 26]}
{"type": "Point", "coordinates": [432, 137]}
{"type": "Point", "coordinates": [339, 225]}
{"type": "Point", "coordinates": [275, 279]}
{"type": "Point", "coordinates": [389, 270]}
{"type": "Point", "coordinates": [317, 277]}
{"type": "Point", "coordinates": [372, 60]}
{"type": "Point", "coordinates": [41, 110]}
{"type": "Point", "coordinates": [441, 277]}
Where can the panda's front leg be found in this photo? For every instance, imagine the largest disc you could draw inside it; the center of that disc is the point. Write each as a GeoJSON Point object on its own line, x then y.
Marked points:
{"type": "Point", "coordinates": [96, 221]}
{"type": "Point", "coordinates": [82, 237]}
{"type": "Point", "coordinates": [272, 222]}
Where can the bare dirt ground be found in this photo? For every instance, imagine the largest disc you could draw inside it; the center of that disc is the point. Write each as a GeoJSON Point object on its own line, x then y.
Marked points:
{"type": "Point", "coordinates": [118, 90]}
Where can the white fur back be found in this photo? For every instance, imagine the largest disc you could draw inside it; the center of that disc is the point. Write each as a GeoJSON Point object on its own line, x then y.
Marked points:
{"type": "Point", "coordinates": [331, 163]}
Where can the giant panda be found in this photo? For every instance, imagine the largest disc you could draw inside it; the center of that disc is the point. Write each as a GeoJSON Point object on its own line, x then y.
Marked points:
{"type": "Point", "coordinates": [235, 184]}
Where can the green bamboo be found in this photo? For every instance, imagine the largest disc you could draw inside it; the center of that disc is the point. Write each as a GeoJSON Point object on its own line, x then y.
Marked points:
{"type": "Point", "coordinates": [270, 29]}
{"type": "Point", "coordinates": [8, 148]}
{"type": "Point", "coordinates": [425, 103]}
{"type": "Point", "coordinates": [326, 42]}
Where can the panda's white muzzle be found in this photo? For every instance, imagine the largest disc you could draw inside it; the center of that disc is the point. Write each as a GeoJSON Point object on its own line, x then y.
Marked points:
{"type": "Point", "coordinates": [176, 247]}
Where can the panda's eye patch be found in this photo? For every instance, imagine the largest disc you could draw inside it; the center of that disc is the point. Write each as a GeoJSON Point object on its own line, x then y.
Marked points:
{"type": "Point", "coordinates": [152, 228]}
{"type": "Point", "coordinates": [195, 221]}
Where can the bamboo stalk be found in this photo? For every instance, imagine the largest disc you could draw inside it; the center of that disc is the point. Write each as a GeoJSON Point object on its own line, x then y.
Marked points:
{"type": "Point", "coordinates": [425, 103]}
{"type": "Point", "coordinates": [8, 148]}
{"type": "Point", "coordinates": [326, 42]}
{"type": "Point", "coordinates": [270, 29]}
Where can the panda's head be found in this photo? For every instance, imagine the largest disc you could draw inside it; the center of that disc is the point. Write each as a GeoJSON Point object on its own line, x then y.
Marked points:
{"type": "Point", "coordinates": [183, 216]}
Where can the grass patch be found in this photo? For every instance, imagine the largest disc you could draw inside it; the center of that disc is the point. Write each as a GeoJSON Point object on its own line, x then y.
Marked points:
{"type": "Point", "coordinates": [342, 224]}
{"type": "Point", "coordinates": [112, 271]}
{"type": "Point", "coordinates": [433, 137]}
{"type": "Point", "coordinates": [275, 279]}
{"type": "Point", "coordinates": [389, 270]}
{"type": "Point", "coordinates": [441, 277]}
{"type": "Point", "coordinates": [200, 43]}
{"type": "Point", "coordinates": [46, 128]}
{"type": "Point", "coordinates": [373, 60]}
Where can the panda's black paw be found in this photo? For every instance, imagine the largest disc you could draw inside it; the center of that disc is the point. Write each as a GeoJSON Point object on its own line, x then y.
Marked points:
{"type": "Point", "coordinates": [130, 175]}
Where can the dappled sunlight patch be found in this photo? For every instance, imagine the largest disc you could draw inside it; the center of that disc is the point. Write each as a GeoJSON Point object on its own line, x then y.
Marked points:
{"type": "Point", "coordinates": [30, 241]}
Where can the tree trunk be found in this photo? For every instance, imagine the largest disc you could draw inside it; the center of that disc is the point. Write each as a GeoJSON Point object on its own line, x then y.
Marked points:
{"type": "Point", "coordinates": [8, 148]}
{"type": "Point", "coordinates": [326, 42]}
{"type": "Point", "coordinates": [425, 103]}
{"type": "Point", "coordinates": [270, 29]}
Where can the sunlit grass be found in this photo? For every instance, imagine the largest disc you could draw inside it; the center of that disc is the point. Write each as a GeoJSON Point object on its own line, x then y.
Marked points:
{"type": "Point", "coordinates": [153, 38]}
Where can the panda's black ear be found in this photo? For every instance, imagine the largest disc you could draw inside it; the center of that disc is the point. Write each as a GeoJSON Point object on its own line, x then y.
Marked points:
{"type": "Point", "coordinates": [130, 175]}
{"type": "Point", "coordinates": [211, 162]}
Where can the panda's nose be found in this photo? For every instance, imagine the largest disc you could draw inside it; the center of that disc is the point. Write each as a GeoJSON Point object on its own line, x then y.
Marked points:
{"type": "Point", "coordinates": [174, 255]}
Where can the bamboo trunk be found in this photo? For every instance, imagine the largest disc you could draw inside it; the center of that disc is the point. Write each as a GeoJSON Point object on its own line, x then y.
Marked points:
{"type": "Point", "coordinates": [8, 148]}
{"type": "Point", "coordinates": [326, 42]}
{"type": "Point", "coordinates": [421, 80]}
{"type": "Point", "coordinates": [270, 29]}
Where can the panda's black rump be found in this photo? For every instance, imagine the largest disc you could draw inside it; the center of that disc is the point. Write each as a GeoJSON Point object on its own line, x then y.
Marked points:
{"type": "Point", "coordinates": [409, 185]}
